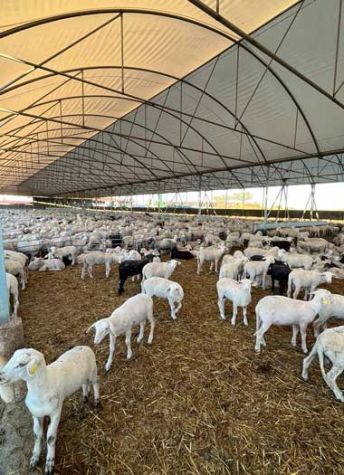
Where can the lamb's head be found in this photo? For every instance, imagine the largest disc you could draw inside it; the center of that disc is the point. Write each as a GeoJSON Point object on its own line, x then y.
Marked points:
{"type": "Point", "coordinates": [176, 292]}
{"type": "Point", "coordinates": [173, 263]}
{"type": "Point", "coordinates": [269, 260]}
{"type": "Point", "coordinates": [247, 284]}
{"type": "Point", "coordinates": [36, 263]}
{"type": "Point", "coordinates": [102, 328]}
{"type": "Point", "coordinates": [326, 277]}
{"type": "Point", "coordinates": [322, 296]}
{"type": "Point", "coordinates": [24, 364]}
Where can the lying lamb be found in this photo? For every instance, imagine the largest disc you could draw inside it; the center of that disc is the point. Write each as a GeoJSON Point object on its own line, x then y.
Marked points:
{"type": "Point", "coordinates": [165, 289]}
{"type": "Point", "coordinates": [135, 310]}
{"type": "Point", "coordinates": [48, 386]}
{"type": "Point", "coordinates": [67, 251]}
{"type": "Point", "coordinates": [40, 264]}
{"type": "Point", "coordinates": [330, 344]}
{"type": "Point", "coordinates": [279, 310]}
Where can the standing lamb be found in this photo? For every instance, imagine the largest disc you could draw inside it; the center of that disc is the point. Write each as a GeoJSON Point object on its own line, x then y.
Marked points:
{"type": "Point", "coordinates": [335, 309]}
{"type": "Point", "coordinates": [239, 293]}
{"type": "Point", "coordinates": [135, 310]}
{"type": "Point", "coordinates": [97, 257]}
{"type": "Point", "coordinates": [308, 280]}
{"type": "Point", "coordinates": [159, 269]}
{"type": "Point", "coordinates": [165, 289]}
{"type": "Point", "coordinates": [330, 344]}
{"type": "Point", "coordinates": [212, 254]}
{"type": "Point", "coordinates": [48, 386]}
{"type": "Point", "coordinates": [279, 310]}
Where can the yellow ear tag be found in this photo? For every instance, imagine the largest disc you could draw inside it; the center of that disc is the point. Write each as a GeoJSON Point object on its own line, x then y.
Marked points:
{"type": "Point", "coordinates": [325, 302]}
{"type": "Point", "coordinates": [33, 369]}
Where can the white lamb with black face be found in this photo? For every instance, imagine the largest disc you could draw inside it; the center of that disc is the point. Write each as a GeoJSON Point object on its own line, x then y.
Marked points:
{"type": "Point", "coordinates": [48, 386]}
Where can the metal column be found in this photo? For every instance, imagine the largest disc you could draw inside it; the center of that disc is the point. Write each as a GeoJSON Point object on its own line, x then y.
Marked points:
{"type": "Point", "coordinates": [4, 308]}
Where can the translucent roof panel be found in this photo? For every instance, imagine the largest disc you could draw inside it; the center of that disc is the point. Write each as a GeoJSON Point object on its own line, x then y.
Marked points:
{"type": "Point", "coordinates": [126, 96]}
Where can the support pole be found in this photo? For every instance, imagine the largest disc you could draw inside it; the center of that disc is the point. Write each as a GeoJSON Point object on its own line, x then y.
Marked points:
{"type": "Point", "coordinates": [4, 309]}
{"type": "Point", "coordinates": [200, 197]}
{"type": "Point", "coordinates": [266, 191]}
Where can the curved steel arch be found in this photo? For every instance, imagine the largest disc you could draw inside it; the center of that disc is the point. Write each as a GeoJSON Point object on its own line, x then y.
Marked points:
{"type": "Point", "coordinates": [176, 17]}
{"type": "Point", "coordinates": [245, 131]}
{"type": "Point", "coordinates": [105, 130]}
{"type": "Point", "coordinates": [122, 11]}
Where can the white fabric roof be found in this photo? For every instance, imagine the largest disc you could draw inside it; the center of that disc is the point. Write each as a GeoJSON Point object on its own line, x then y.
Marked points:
{"type": "Point", "coordinates": [131, 97]}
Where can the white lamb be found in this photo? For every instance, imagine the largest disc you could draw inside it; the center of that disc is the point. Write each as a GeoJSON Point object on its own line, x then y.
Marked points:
{"type": "Point", "coordinates": [308, 280]}
{"type": "Point", "coordinates": [165, 289]}
{"type": "Point", "coordinates": [96, 257]}
{"type": "Point", "coordinates": [12, 288]}
{"type": "Point", "coordinates": [239, 293]}
{"type": "Point", "coordinates": [16, 268]}
{"type": "Point", "coordinates": [40, 264]}
{"type": "Point", "coordinates": [257, 270]}
{"type": "Point", "coordinates": [230, 270]}
{"type": "Point", "coordinates": [135, 310]}
{"type": "Point", "coordinates": [329, 344]}
{"type": "Point", "coordinates": [279, 310]}
{"type": "Point", "coordinates": [159, 269]}
{"type": "Point", "coordinates": [334, 310]}
{"type": "Point", "coordinates": [296, 261]}
{"type": "Point", "coordinates": [212, 254]}
{"type": "Point", "coordinates": [48, 386]}
{"type": "Point", "coordinates": [256, 251]}
{"type": "Point", "coordinates": [16, 256]}
{"type": "Point", "coordinates": [66, 251]}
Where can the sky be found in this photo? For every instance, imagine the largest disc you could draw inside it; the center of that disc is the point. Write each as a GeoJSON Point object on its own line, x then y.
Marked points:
{"type": "Point", "coordinates": [327, 196]}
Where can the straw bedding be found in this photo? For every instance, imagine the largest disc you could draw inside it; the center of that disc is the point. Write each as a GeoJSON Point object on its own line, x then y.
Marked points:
{"type": "Point", "coordinates": [198, 401]}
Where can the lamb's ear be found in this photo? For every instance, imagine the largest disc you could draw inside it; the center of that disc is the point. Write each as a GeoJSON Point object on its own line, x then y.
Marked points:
{"type": "Point", "coordinates": [32, 366]}
{"type": "Point", "coordinates": [90, 328]}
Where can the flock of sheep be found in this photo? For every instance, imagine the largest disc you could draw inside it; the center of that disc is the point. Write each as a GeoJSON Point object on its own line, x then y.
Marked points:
{"type": "Point", "coordinates": [294, 259]}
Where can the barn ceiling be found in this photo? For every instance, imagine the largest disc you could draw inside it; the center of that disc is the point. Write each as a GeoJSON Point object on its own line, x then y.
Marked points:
{"type": "Point", "coordinates": [126, 97]}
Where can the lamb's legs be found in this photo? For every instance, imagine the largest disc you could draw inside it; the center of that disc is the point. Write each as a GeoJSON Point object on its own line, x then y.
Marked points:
{"type": "Point", "coordinates": [112, 345]}
{"type": "Point", "coordinates": [152, 326]}
{"type": "Point", "coordinates": [331, 377]}
{"type": "Point", "coordinates": [142, 329]}
{"type": "Point", "coordinates": [221, 305]}
{"type": "Point", "coordinates": [85, 391]}
{"type": "Point", "coordinates": [307, 362]}
{"type": "Point", "coordinates": [38, 433]}
{"type": "Point", "coordinates": [51, 440]}
{"type": "Point", "coordinates": [260, 336]}
{"type": "Point", "coordinates": [173, 312]}
{"type": "Point", "coordinates": [294, 336]}
{"type": "Point", "coordinates": [244, 314]}
{"type": "Point", "coordinates": [128, 343]}
{"type": "Point", "coordinates": [303, 331]}
{"type": "Point", "coordinates": [179, 306]}
{"type": "Point", "coordinates": [235, 311]}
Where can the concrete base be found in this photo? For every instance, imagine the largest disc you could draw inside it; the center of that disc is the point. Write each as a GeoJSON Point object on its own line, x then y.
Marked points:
{"type": "Point", "coordinates": [11, 339]}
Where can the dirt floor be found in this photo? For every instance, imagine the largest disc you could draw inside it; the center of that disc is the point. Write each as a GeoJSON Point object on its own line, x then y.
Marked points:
{"type": "Point", "coordinates": [198, 401]}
